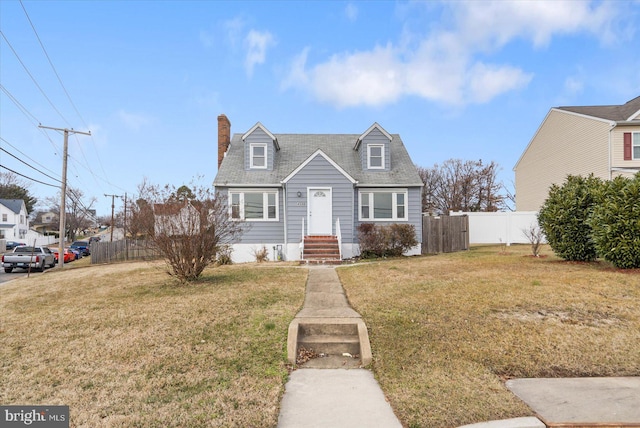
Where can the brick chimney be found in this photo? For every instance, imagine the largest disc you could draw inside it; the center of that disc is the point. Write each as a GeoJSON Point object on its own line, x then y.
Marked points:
{"type": "Point", "coordinates": [224, 137]}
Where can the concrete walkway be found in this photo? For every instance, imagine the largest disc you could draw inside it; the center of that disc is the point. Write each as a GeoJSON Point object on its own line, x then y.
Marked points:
{"type": "Point", "coordinates": [351, 397]}
{"type": "Point", "coordinates": [329, 397]}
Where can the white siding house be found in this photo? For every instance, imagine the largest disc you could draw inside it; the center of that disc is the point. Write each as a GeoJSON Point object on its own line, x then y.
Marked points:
{"type": "Point", "coordinates": [599, 140]}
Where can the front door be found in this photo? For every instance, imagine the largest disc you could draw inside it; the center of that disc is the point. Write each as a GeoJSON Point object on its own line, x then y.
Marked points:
{"type": "Point", "coordinates": [319, 211]}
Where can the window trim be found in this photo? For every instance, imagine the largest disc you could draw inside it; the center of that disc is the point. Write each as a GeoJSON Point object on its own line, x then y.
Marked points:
{"type": "Point", "coordinates": [265, 204]}
{"type": "Point", "coordinates": [369, 156]}
{"type": "Point", "coordinates": [394, 204]}
{"type": "Point", "coordinates": [252, 165]}
{"type": "Point", "coordinates": [635, 144]}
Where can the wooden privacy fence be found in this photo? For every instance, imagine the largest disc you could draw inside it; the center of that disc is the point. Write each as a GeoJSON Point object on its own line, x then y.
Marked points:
{"type": "Point", "coordinates": [123, 250]}
{"type": "Point", "coordinates": [445, 234]}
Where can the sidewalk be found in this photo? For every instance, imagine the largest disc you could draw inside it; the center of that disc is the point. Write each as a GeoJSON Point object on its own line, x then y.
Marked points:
{"type": "Point", "coordinates": [330, 397]}
{"type": "Point", "coordinates": [351, 397]}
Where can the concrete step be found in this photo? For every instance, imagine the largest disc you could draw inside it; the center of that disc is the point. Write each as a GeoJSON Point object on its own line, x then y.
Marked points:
{"type": "Point", "coordinates": [322, 329]}
{"type": "Point", "coordinates": [329, 338]}
{"type": "Point", "coordinates": [320, 261]}
{"type": "Point", "coordinates": [331, 345]}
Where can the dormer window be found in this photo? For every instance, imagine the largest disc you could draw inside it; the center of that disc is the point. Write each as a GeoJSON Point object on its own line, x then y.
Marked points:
{"type": "Point", "coordinates": [375, 156]}
{"type": "Point", "coordinates": [258, 155]}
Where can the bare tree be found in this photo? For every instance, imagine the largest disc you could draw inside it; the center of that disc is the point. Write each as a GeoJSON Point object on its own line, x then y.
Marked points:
{"type": "Point", "coordinates": [461, 186]}
{"type": "Point", "coordinates": [535, 235]}
{"type": "Point", "coordinates": [188, 226]}
{"type": "Point", "coordinates": [80, 214]}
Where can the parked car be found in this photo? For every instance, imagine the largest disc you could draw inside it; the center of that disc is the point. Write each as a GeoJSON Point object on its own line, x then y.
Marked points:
{"type": "Point", "coordinates": [10, 245]}
{"type": "Point", "coordinates": [25, 257]}
{"type": "Point", "coordinates": [82, 246]}
{"type": "Point", "coordinates": [77, 254]}
{"type": "Point", "coordinates": [69, 256]}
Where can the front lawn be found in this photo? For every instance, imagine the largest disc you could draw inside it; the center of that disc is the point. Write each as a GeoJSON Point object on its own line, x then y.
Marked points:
{"type": "Point", "coordinates": [125, 345]}
{"type": "Point", "coordinates": [446, 331]}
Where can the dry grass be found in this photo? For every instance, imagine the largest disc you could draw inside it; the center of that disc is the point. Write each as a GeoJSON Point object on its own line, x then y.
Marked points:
{"type": "Point", "coordinates": [447, 330]}
{"type": "Point", "coordinates": [125, 345]}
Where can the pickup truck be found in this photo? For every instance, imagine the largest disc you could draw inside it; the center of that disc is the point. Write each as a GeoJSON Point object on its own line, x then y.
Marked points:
{"type": "Point", "coordinates": [24, 256]}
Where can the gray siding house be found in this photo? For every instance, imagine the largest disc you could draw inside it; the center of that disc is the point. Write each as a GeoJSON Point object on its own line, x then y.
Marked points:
{"type": "Point", "coordinates": [290, 187]}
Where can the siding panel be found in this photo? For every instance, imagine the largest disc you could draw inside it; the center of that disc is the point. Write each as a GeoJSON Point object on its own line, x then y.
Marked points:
{"type": "Point", "coordinates": [319, 173]}
{"type": "Point", "coordinates": [259, 136]}
{"type": "Point", "coordinates": [564, 144]}
{"type": "Point", "coordinates": [260, 232]}
{"type": "Point", "coordinates": [375, 137]}
{"type": "Point", "coordinates": [414, 199]}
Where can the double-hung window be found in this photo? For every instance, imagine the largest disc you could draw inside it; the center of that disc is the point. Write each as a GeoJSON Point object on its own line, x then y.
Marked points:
{"type": "Point", "coordinates": [383, 205]}
{"type": "Point", "coordinates": [254, 205]}
{"type": "Point", "coordinates": [375, 156]}
{"type": "Point", "coordinates": [258, 155]}
{"type": "Point", "coordinates": [635, 145]}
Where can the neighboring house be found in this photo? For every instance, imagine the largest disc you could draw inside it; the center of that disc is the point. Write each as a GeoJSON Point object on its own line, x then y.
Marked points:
{"type": "Point", "coordinates": [289, 186]}
{"type": "Point", "coordinates": [46, 222]}
{"type": "Point", "coordinates": [14, 219]}
{"type": "Point", "coordinates": [599, 140]}
{"type": "Point", "coordinates": [175, 219]}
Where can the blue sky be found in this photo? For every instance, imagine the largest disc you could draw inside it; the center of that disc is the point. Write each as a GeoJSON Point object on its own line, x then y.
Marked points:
{"type": "Point", "coordinates": [467, 80]}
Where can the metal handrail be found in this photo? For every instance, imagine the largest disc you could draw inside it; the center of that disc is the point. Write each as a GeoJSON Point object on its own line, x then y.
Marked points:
{"type": "Point", "coordinates": [302, 241]}
{"type": "Point", "coordinates": [339, 235]}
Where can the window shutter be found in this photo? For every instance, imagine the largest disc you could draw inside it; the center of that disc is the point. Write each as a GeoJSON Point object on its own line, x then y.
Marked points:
{"type": "Point", "coordinates": [627, 146]}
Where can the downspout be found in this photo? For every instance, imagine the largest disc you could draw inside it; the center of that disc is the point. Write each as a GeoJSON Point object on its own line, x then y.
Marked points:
{"type": "Point", "coordinates": [613, 125]}
{"type": "Point", "coordinates": [284, 217]}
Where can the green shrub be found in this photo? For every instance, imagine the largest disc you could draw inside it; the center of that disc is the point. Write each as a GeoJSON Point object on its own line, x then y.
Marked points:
{"type": "Point", "coordinates": [615, 222]}
{"type": "Point", "coordinates": [563, 217]}
{"type": "Point", "coordinates": [385, 241]}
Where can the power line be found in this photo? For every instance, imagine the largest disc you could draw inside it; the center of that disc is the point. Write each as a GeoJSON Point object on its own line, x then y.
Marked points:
{"type": "Point", "coordinates": [68, 97]}
{"type": "Point", "coordinates": [33, 78]}
{"type": "Point", "coordinates": [35, 169]}
{"type": "Point", "coordinates": [51, 64]}
{"type": "Point", "coordinates": [29, 178]}
{"type": "Point", "coordinates": [27, 156]}
{"type": "Point", "coordinates": [28, 114]}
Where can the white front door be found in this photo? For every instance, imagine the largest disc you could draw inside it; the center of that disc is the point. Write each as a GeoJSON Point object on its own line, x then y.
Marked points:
{"type": "Point", "coordinates": [319, 211]}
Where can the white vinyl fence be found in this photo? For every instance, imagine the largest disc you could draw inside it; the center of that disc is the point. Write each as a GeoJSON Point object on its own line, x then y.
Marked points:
{"type": "Point", "coordinates": [499, 227]}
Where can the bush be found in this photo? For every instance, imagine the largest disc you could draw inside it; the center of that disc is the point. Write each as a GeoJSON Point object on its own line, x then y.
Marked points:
{"type": "Point", "coordinates": [615, 222]}
{"type": "Point", "coordinates": [261, 254]}
{"type": "Point", "coordinates": [563, 217]}
{"type": "Point", "coordinates": [224, 255]}
{"type": "Point", "coordinates": [536, 237]}
{"type": "Point", "coordinates": [385, 241]}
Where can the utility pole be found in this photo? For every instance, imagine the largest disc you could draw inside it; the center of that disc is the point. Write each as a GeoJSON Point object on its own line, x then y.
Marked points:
{"type": "Point", "coordinates": [112, 212]}
{"type": "Point", "coordinates": [63, 189]}
{"type": "Point", "coordinates": [126, 247]}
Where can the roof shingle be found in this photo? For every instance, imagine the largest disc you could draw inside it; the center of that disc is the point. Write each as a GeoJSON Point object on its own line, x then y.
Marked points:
{"type": "Point", "coordinates": [296, 148]}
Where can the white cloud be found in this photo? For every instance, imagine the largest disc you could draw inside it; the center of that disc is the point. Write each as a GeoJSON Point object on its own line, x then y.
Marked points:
{"type": "Point", "coordinates": [573, 85]}
{"type": "Point", "coordinates": [233, 30]}
{"type": "Point", "coordinates": [351, 11]}
{"type": "Point", "coordinates": [445, 65]}
{"type": "Point", "coordinates": [496, 23]}
{"type": "Point", "coordinates": [134, 121]}
{"type": "Point", "coordinates": [371, 78]}
{"type": "Point", "coordinates": [256, 44]}
{"type": "Point", "coordinates": [486, 82]}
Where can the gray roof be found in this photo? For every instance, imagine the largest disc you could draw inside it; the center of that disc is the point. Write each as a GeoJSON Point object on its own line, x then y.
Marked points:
{"type": "Point", "coordinates": [615, 113]}
{"type": "Point", "coordinates": [14, 205]}
{"type": "Point", "coordinates": [296, 148]}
